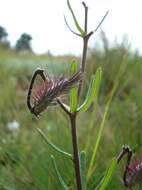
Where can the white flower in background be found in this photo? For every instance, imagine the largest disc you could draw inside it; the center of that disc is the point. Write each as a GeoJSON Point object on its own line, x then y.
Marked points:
{"type": "Point", "coordinates": [13, 126]}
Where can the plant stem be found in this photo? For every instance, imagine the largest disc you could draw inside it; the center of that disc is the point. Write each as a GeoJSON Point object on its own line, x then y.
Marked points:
{"type": "Point", "coordinates": [86, 17]}
{"type": "Point", "coordinates": [75, 151]}
{"type": "Point", "coordinates": [83, 61]}
{"type": "Point", "coordinates": [84, 53]}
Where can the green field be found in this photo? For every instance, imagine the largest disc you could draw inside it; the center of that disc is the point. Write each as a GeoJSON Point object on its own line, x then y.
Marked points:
{"type": "Point", "coordinates": [25, 159]}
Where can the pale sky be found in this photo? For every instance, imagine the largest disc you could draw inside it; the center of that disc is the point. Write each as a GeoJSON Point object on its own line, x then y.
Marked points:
{"type": "Point", "coordinates": [43, 19]}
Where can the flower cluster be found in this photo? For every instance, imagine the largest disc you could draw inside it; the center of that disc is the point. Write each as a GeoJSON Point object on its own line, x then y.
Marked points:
{"type": "Point", "coordinates": [51, 90]}
{"type": "Point", "coordinates": [134, 174]}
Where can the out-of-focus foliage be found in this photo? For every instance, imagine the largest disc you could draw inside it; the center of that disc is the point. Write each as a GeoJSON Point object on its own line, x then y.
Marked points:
{"type": "Point", "coordinates": [4, 43]}
{"type": "Point", "coordinates": [3, 34]}
{"type": "Point", "coordinates": [24, 43]}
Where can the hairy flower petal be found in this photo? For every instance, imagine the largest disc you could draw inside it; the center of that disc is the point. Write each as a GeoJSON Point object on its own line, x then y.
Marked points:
{"type": "Point", "coordinates": [134, 174]}
{"type": "Point", "coordinates": [47, 93]}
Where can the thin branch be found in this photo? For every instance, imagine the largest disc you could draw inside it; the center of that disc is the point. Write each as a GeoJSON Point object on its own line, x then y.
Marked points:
{"type": "Point", "coordinates": [85, 43]}
{"type": "Point", "coordinates": [63, 106]}
{"type": "Point", "coordinates": [83, 61]}
{"type": "Point", "coordinates": [86, 17]}
{"type": "Point", "coordinates": [101, 22]}
{"type": "Point", "coordinates": [70, 27]}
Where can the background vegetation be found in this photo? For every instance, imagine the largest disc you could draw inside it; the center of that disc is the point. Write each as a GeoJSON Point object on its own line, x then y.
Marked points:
{"type": "Point", "coordinates": [25, 161]}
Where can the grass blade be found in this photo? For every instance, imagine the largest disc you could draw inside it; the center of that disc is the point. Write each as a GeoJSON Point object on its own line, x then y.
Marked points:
{"type": "Point", "coordinates": [116, 83]}
{"type": "Point", "coordinates": [140, 187]}
{"type": "Point", "coordinates": [108, 175]}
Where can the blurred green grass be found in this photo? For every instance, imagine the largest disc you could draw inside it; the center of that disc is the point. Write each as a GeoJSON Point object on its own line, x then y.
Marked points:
{"type": "Point", "coordinates": [24, 157]}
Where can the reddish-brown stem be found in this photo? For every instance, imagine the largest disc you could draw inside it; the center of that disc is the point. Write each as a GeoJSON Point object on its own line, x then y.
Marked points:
{"type": "Point", "coordinates": [72, 116]}
{"type": "Point", "coordinates": [83, 61]}
{"type": "Point", "coordinates": [85, 44]}
{"type": "Point", "coordinates": [75, 151]}
{"type": "Point", "coordinates": [86, 17]}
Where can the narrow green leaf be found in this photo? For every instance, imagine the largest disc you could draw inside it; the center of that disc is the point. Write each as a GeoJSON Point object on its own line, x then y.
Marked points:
{"type": "Point", "coordinates": [70, 27]}
{"type": "Point", "coordinates": [75, 20]}
{"type": "Point", "coordinates": [73, 99]}
{"type": "Point", "coordinates": [63, 184]}
{"type": "Point", "coordinates": [52, 145]}
{"type": "Point", "coordinates": [108, 175]}
{"type": "Point", "coordinates": [83, 169]}
{"type": "Point", "coordinates": [93, 91]}
{"type": "Point", "coordinates": [100, 23]}
{"type": "Point", "coordinates": [73, 67]}
{"type": "Point", "coordinates": [73, 91]}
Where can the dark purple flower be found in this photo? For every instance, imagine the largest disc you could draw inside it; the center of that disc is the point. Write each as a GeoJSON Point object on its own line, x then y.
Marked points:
{"type": "Point", "coordinates": [134, 174]}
